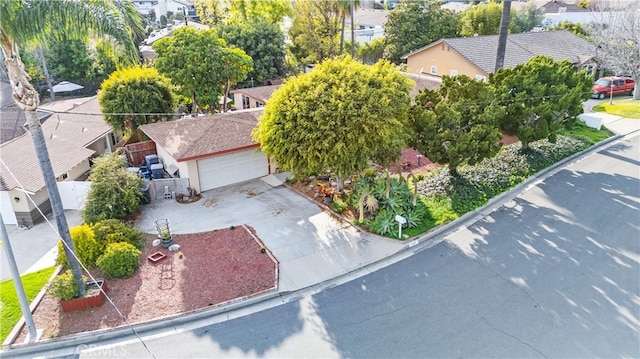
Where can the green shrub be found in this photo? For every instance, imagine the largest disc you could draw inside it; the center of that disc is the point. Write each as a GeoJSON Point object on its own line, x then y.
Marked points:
{"type": "Point", "coordinates": [338, 205]}
{"type": "Point", "coordinates": [120, 260]}
{"type": "Point", "coordinates": [64, 286]}
{"type": "Point", "coordinates": [113, 231]}
{"type": "Point", "coordinates": [85, 244]}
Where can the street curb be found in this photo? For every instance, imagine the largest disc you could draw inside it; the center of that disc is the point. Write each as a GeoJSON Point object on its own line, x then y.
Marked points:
{"type": "Point", "coordinates": [414, 245]}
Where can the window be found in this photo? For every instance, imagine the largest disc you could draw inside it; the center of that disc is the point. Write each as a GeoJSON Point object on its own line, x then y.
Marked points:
{"type": "Point", "coordinates": [434, 70]}
{"type": "Point", "coordinates": [259, 104]}
{"type": "Point", "coordinates": [245, 102]}
{"type": "Point", "coordinates": [454, 73]}
{"type": "Point", "coordinates": [481, 78]}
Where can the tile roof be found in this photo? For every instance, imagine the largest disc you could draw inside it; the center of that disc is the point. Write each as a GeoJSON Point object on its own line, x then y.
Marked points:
{"type": "Point", "coordinates": [19, 156]}
{"type": "Point", "coordinates": [422, 82]}
{"type": "Point", "coordinates": [481, 50]}
{"type": "Point", "coordinates": [191, 138]}
{"type": "Point", "coordinates": [260, 93]}
{"type": "Point", "coordinates": [66, 133]}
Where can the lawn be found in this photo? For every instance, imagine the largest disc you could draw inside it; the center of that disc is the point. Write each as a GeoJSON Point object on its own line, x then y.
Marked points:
{"type": "Point", "coordinates": [10, 311]}
{"type": "Point", "coordinates": [624, 108]}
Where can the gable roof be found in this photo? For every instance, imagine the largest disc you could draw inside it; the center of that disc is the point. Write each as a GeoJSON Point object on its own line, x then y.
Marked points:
{"type": "Point", "coordinates": [481, 50]}
{"type": "Point", "coordinates": [193, 138]}
{"type": "Point", "coordinates": [66, 134]}
{"type": "Point", "coordinates": [260, 93]}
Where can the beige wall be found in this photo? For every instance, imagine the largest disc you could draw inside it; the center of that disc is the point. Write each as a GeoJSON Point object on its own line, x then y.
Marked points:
{"type": "Point", "coordinates": [194, 177]}
{"type": "Point", "coordinates": [77, 171]}
{"type": "Point", "coordinates": [167, 160]}
{"type": "Point", "coordinates": [445, 59]}
{"type": "Point", "coordinates": [98, 146]}
{"type": "Point", "coordinates": [25, 205]}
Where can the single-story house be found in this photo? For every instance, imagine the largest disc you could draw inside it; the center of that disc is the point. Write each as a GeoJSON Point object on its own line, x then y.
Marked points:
{"type": "Point", "coordinates": [476, 56]}
{"type": "Point", "coordinates": [252, 97]}
{"type": "Point", "coordinates": [72, 139]}
{"type": "Point", "coordinates": [212, 151]}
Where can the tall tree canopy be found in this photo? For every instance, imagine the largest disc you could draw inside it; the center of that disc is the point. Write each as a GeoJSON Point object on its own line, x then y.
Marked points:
{"type": "Point", "coordinates": [540, 97]}
{"type": "Point", "coordinates": [23, 22]}
{"type": "Point", "coordinates": [338, 117]}
{"type": "Point", "coordinates": [457, 123]}
{"type": "Point", "coordinates": [617, 37]}
{"type": "Point", "coordinates": [315, 31]}
{"type": "Point", "coordinates": [414, 24]}
{"type": "Point", "coordinates": [201, 65]}
{"type": "Point", "coordinates": [261, 40]}
{"type": "Point", "coordinates": [482, 19]}
{"type": "Point", "coordinates": [132, 91]}
{"type": "Point", "coordinates": [217, 12]}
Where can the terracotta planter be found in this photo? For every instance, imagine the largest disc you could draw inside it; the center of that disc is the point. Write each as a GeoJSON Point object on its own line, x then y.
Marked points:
{"type": "Point", "coordinates": [93, 301]}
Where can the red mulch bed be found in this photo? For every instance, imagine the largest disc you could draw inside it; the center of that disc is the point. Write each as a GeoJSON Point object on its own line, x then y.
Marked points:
{"type": "Point", "coordinates": [216, 267]}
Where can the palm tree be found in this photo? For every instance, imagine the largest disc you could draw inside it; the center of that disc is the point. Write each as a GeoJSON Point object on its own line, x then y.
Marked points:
{"type": "Point", "coordinates": [502, 37]}
{"type": "Point", "coordinates": [33, 21]}
{"type": "Point", "coordinates": [347, 7]}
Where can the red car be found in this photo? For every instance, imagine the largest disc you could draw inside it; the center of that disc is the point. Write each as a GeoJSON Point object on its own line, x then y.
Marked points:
{"type": "Point", "coordinates": [619, 85]}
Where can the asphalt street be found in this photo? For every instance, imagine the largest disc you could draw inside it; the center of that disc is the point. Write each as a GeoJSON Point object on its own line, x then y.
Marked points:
{"type": "Point", "coordinates": [552, 273]}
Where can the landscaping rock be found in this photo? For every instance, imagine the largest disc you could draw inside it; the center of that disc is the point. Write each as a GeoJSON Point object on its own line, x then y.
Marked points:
{"type": "Point", "coordinates": [156, 242]}
{"type": "Point", "coordinates": [174, 247]}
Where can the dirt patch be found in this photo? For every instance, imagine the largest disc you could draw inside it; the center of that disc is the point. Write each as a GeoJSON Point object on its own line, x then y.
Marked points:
{"type": "Point", "coordinates": [210, 268]}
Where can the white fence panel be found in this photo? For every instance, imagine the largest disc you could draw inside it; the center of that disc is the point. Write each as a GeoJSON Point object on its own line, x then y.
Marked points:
{"type": "Point", "coordinates": [6, 210]}
{"type": "Point", "coordinates": [73, 194]}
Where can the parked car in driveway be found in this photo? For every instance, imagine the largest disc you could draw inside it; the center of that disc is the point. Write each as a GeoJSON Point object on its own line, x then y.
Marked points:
{"type": "Point", "coordinates": [618, 85]}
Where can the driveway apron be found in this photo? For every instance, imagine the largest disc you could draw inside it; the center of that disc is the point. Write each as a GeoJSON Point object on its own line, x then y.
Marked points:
{"type": "Point", "coordinates": [310, 245]}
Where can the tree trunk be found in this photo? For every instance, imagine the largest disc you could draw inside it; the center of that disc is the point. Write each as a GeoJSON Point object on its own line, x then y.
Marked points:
{"type": "Point", "coordinates": [353, 27]}
{"type": "Point", "coordinates": [26, 97]}
{"type": "Point", "coordinates": [502, 37]}
{"type": "Point", "coordinates": [342, 35]}
{"type": "Point", "coordinates": [47, 75]}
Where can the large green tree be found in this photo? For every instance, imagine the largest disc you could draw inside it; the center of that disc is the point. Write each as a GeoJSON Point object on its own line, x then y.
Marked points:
{"type": "Point", "coordinates": [540, 97]}
{"type": "Point", "coordinates": [315, 31]}
{"type": "Point", "coordinates": [115, 192]}
{"type": "Point", "coordinates": [525, 19]}
{"type": "Point", "coordinates": [482, 19]}
{"type": "Point", "coordinates": [201, 65]}
{"type": "Point", "coordinates": [261, 40]}
{"type": "Point", "coordinates": [23, 22]}
{"type": "Point", "coordinates": [414, 24]}
{"type": "Point", "coordinates": [136, 96]}
{"type": "Point", "coordinates": [338, 117]}
{"type": "Point", "coordinates": [457, 123]}
{"type": "Point", "coordinates": [68, 60]}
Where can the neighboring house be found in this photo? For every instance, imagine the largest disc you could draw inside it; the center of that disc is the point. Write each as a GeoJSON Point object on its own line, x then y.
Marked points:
{"type": "Point", "coordinates": [146, 48]}
{"type": "Point", "coordinates": [72, 138]}
{"type": "Point", "coordinates": [252, 97]}
{"type": "Point", "coordinates": [212, 151]}
{"type": "Point", "coordinates": [162, 7]}
{"type": "Point", "coordinates": [476, 56]}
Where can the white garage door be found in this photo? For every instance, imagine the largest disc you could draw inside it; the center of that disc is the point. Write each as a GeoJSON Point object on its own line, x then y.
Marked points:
{"type": "Point", "coordinates": [231, 168]}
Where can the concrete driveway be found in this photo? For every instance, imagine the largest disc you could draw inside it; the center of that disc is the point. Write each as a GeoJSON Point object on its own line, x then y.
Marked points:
{"type": "Point", "coordinates": [310, 245]}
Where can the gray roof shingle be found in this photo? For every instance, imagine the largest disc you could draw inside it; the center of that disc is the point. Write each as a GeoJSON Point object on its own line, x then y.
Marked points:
{"type": "Point", "coordinates": [481, 50]}
{"type": "Point", "coordinates": [66, 136]}
{"type": "Point", "coordinates": [191, 138]}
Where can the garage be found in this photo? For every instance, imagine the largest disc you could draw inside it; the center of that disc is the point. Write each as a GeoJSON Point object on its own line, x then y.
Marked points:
{"type": "Point", "coordinates": [218, 171]}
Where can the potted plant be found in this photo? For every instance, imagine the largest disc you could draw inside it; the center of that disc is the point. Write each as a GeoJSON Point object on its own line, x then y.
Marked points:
{"type": "Point", "coordinates": [327, 193]}
{"type": "Point", "coordinates": [66, 289]}
{"type": "Point", "coordinates": [166, 239]}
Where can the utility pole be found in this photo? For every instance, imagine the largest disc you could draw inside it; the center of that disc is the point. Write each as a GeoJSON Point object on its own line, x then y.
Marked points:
{"type": "Point", "coordinates": [17, 283]}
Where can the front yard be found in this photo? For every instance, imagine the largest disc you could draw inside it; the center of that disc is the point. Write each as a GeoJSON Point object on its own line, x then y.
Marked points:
{"type": "Point", "coordinates": [429, 198]}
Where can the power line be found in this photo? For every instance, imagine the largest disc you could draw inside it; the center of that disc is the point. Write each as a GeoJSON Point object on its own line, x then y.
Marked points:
{"type": "Point", "coordinates": [84, 268]}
